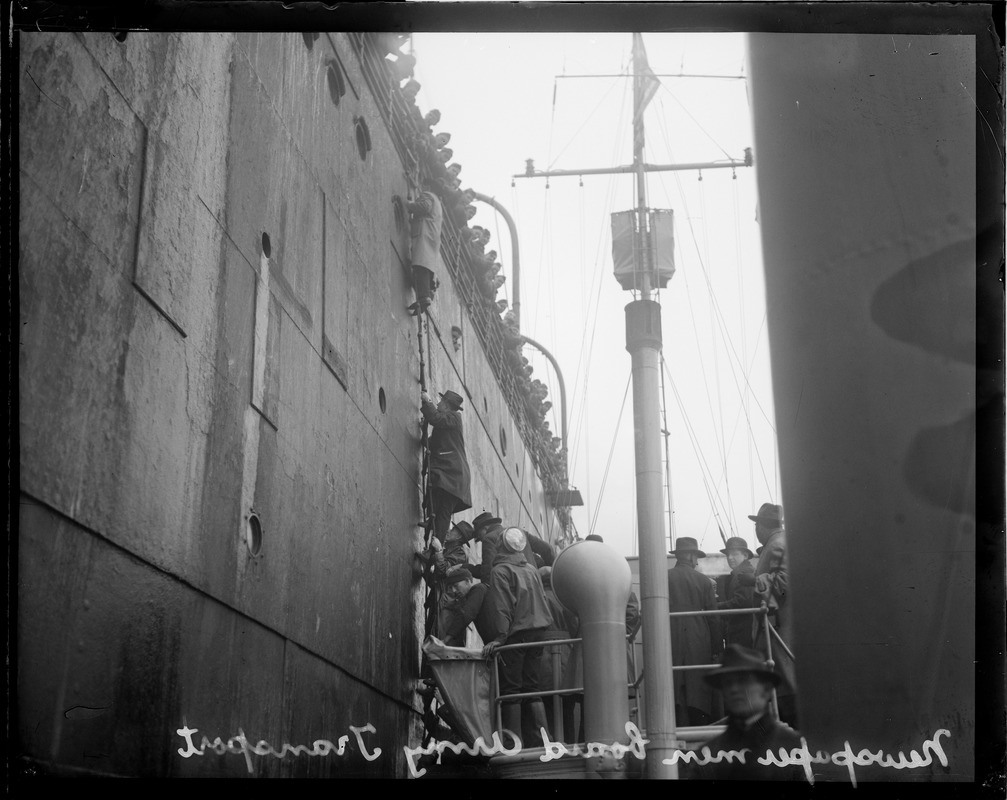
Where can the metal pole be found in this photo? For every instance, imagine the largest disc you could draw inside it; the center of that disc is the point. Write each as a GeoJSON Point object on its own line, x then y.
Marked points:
{"type": "Point", "coordinates": [559, 377]}
{"type": "Point", "coordinates": [643, 341]}
{"type": "Point", "coordinates": [516, 273]}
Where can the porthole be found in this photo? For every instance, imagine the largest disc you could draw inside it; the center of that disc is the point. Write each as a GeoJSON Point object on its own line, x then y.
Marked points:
{"type": "Point", "coordinates": [253, 533]}
{"type": "Point", "coordinates": [382, 403]}
{"type": "Point", "coordinates": [503, 440]}
{"type": "Point", "coordinates": [310, 39]}
{"type": "Point", "coordinates": [337, 86]}
{"type": "Point", "coordinates": [120, 36]}
{"type": "Point", "coordinates": [363, 138]}
{"type": "Point", "coordinates": [266, 248]}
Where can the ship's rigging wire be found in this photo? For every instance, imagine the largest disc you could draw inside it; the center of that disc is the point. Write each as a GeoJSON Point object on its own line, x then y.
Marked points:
{"type": "Point", "coordinates": [690, 116]}
{"type": "Point", "coordinates": [704, 469]}
{"type": "Point", "coordinates": [672, 531]}
{"type": "Point", "coordinates": [611, 452]}
{"type": "Point", "coordinates": [601, 99]}
{"type": "Point", "coordinates": [719, 431]}
{"type": "Point", "coordinates": [739, 269]}
{"type": "Point", "coordinates": [702, 362]}
{"type": "Point", "coordinates": [591, 320]}
{"type": "Point", "coordinates": [736, 364]}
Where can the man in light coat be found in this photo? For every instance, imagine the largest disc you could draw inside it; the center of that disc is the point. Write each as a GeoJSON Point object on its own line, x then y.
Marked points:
{"type": "Point", "coordinates": [426, 219]}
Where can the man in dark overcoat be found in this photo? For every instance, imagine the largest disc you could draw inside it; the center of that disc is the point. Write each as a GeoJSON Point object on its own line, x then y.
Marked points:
{"type": "Point", "coordinates": [738, 628]}
{"type": "Point", "coordinates": [448, 476]}
{"type": "Point", "coordinates": [747, 686]}
{"type": "Point", "coordinates": [694, 640]}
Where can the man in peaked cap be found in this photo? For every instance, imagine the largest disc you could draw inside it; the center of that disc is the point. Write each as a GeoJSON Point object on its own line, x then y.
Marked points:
{"type": "Point", "coordinates": [448, 478]}
{"type": "Point", "coordinates": [747, 688]}
{"type": "Point", "coordinates": [518, 612]}
{"type": "Point", "coordinates": [738, 628]}
{"type": "Point", "coordinates": [771, 582]}
{"type": "Point", "coordinates": [694, 640]}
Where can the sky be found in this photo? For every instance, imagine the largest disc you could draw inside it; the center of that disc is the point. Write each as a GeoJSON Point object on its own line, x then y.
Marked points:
{"type": "Point", "coordinates": [508, 97]}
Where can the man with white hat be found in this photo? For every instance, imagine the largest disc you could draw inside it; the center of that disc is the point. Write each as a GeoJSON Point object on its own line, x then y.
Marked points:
{"type": "Point", "coordinates": [694, 640]}
{"type": "Point", "coordinates": [518, 612]}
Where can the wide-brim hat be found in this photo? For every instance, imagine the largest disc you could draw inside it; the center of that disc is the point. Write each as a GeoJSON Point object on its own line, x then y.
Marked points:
{"type": "Point", "coordinates": [484, 519]}
{"type": "Point", "coordinates": [769, 513]}
{"type": "Point", "coordinates": [737, 543]}
{"type": "Point", "coordinates": [453, 399]}
{"type": "Point", "coordinates": [687, 544]}
{"type": "Point", "coordinates": [465, 530]}
{"type": "Point", "coordinates": [741, 659]}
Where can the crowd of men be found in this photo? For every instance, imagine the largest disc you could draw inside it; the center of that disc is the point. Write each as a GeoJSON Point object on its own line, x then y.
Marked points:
{"type": "Point", "coordinates": [756, 580]}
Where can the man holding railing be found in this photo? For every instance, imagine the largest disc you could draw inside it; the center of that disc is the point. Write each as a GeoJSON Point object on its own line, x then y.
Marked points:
{"type": "Point", "coordinates": [518, 612]}
{"type": "Point", "coordinates": [772, 582]}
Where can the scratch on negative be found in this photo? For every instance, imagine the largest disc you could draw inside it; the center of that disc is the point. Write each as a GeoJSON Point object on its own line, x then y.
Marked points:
{"type": "Point", "coordinates": [982, 116]}
{"type": "Point", "coordinates": [28, 73]}
{"type": "Point", "coordinates": [799, 398]}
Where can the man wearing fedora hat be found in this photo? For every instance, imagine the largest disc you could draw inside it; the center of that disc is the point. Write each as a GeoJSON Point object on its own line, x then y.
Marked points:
{"type": "Point", "coordinates": [694, 640]}
{"type": "Point", "coordinates": [771, 582]}
{"type": "Point", "coordinates": [738, 628]}
{"type": "Point", "coordinates": [448, 477]}
{"type": "Point", "coordinates": [450, 555]}
{"type": "Point", "coordinates": [488, 532]}
{"type": "Point", "coordinates": [747, 688]}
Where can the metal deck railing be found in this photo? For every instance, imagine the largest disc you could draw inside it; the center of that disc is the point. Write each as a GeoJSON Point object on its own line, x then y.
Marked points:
{"type": "Point", "coordinates": [689, 734]}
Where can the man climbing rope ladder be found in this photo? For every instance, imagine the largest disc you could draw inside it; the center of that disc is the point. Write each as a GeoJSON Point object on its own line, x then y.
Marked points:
{"type": "Point", "coordinates": [448, 475]}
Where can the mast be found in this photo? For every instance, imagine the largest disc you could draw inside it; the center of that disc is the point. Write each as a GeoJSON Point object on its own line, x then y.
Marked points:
{"type": "Point", "coordinates": [643, 341]}
{"type": "Point", "coordinates": [643, 253]}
